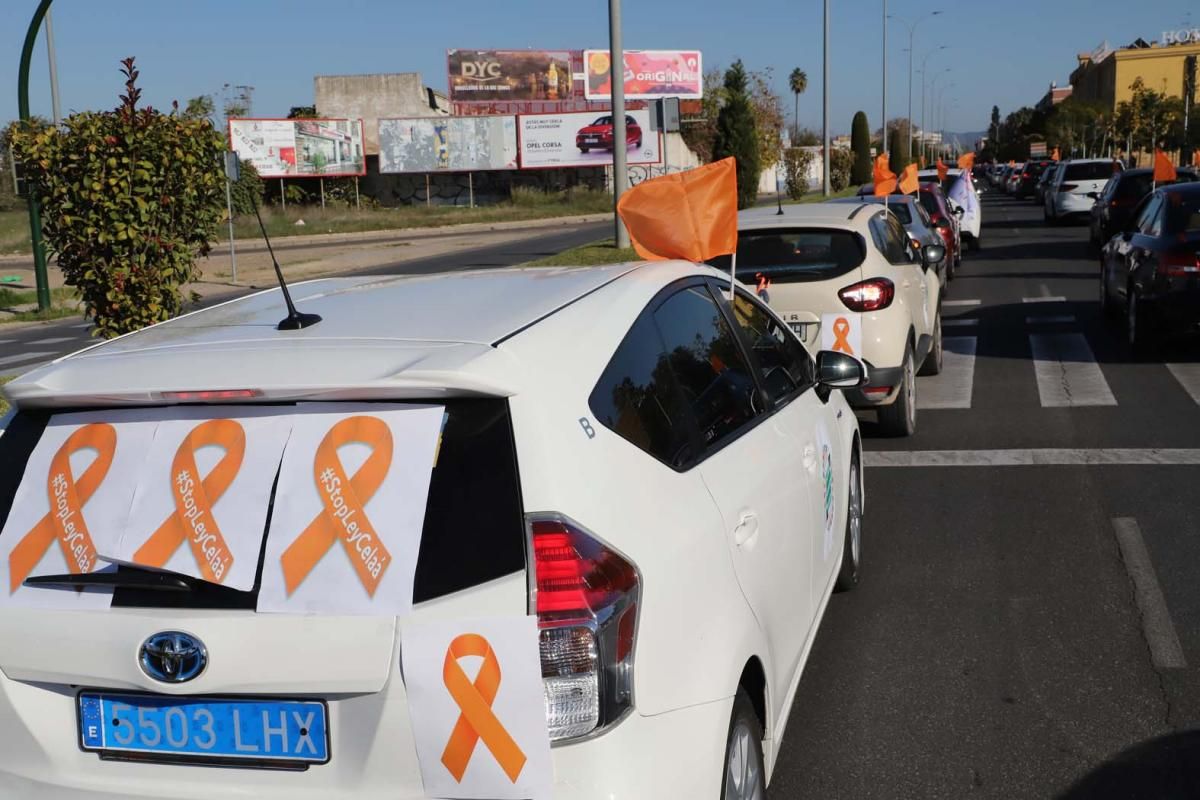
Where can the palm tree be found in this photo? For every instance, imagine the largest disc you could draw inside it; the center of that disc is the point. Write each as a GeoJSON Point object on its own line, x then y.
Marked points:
{"type": "Point", "coordinates": [798, 82]}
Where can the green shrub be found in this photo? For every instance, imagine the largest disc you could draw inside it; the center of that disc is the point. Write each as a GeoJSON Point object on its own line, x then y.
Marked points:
{"type": "Point", "coordinates": [796, 163]}
{"type": "Point", "coordinates": [841, 161]}
{"type": "Point", "coordinates": [737, 134]}
{"type": "Point", "coordinates": [860, 143]}
{"type": "Point", "coordinates": [131, 198]}
{"type": "Point", "coordinates": [247, 191]}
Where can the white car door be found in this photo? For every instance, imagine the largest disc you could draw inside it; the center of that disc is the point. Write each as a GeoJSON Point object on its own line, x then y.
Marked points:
{"type": "Point", "coordinates": [917, 287]}
{"type": "Point", "coordinates": [752, 466]}
{"type": "Point", "coordinates": [788, 375]}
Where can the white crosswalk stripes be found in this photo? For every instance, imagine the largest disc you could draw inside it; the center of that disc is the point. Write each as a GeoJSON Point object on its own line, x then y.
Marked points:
{"type": "Point", "coordinates": [1067, 373]}
{"type": "Point", "coordinates": [959, 322]}
{"type": "Point", "coordinates": [952, 388]}
{"type": "Point", "coordinates": [28, 355]}
{"type": "Point", "coordinates": [1188, 376]}
{"type": "Point", "coordinates": [54, 340]}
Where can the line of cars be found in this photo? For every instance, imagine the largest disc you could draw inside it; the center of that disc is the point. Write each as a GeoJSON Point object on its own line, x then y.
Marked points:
{"type": "Point", "coordinates": [1146, 233]}
{"type": "Point", "coordinates": [885, 262]}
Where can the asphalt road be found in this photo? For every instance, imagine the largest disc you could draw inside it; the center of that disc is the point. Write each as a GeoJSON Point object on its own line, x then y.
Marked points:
{"type": "Point", "coordinates": [1033, 629]}
{"type": "Point", "coordinates": [22, 348]}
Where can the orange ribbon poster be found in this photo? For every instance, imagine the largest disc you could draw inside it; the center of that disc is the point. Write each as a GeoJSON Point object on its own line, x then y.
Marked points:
{"type": "Point", "coordinates": [885, 179]}
{"type": "Point", "coordinates": [686, 215]}
{"type": "Point", "coordinates": [841, 329]}
{"type": "Point", "coordinates": [909, 183]}
{"type": "Point", "coordinates": [349, 509]}
{"type": "Point", "coordinates": [842, 333]}
{"type": "Point", "coordinates": [193, 520]}
{"type": "Point", "coordinates": [477, 722]}
{"type": "Point", "coordinates": [481, 737]}
{"type": "Point", "coordinates": [344, 518]}
{"type": "Point", "coordinates": [65, 522]}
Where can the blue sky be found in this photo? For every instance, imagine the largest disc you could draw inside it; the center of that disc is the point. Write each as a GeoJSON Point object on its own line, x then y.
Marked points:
{"type": "Point", "coordinates": [1003, 53]}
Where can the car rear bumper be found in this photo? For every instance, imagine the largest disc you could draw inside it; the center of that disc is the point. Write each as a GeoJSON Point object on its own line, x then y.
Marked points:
{"type": "Point", "coordinates": [1175, 312]}
{"type": "Point", "coordinates": [1069, 203]}
{"type": "Point", "coordinates": [877, 377]}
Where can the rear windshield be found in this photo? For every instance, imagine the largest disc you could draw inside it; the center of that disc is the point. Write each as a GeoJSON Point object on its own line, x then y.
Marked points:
{"type": "Point", "coordinates": [474, 528]}
{"type": "Point", "coordinates": [1183, 212]}
{"type": "Point", "coordinates": [798, 255]}
{"type": "Point", "coordinates": [1089, 171]}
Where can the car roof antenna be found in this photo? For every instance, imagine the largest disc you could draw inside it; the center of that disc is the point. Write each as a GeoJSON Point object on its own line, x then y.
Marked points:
{"type": "Point", "coordinates": [294, 321]}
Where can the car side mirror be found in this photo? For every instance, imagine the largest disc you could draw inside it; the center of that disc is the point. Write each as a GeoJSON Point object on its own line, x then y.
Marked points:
{"type": "Point", "coordinates": [840, 371]}
{"type": "Point", "coordinates": [932, 254]}
{"type": "Point", "coordinates": [1094, 195]}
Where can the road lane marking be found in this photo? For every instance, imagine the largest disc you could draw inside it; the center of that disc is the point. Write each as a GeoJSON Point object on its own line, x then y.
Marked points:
{"type": "Point", "coordinates": [1051, 319]}
{"type": "Point", "coordinates": [31, 355]}
{"type": "Point", "coordinates": [56, 340]}
{"type": "Point", "coordinates": [1037, 457]}
{"type": "Point", "coordinates": [946, 303]}
{"type": "Point", "coordinates": [959, 323]}
{"type": "Point", "coordinates": [952, 388]}
{"type": "Point", "coordinates": [1165, 650]}
{"type": "Point", "coordinates": [1055, 299]}
{"type": "Point", "coordinates": [1188, 376]}
{"type": "Point", "coordinates": [1067, 373]}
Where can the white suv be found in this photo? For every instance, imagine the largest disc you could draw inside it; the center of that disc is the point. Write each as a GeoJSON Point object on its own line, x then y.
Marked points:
{"type": "Point", "coordinates": [623, 429]}
{"type": "Point", "coordinates": [1069, 191]}
{"type": "Point", "coordinates": [853, 259]}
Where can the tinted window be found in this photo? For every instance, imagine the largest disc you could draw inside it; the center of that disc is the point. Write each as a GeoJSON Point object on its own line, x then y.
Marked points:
{"type": "Point", "coordinates": [1134, 187]}
{"type": "Point", "coordinates": [1148, 218]}
{"type": "Point", "coordinates": [787, 256]}
{"type": "Point", "coordinates": [474, 528]}
{"type": "Point", "coordinates": [706, 363]}
{"type": "Point", "coordinates": [929, 203]}
{"type": "Point", "coordinates": [782, 361]}
{"type": "Point", "coordinates": [1088, 171]}
{"type": "Point", "coordinates": [889, 239]}
{"type": "Point", "coordinates": [636, 397]}
{"type": "Point", "coordinates": [1183, 212]}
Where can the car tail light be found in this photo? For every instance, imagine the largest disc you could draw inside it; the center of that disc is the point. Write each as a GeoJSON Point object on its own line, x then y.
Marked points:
{"type": "Point", "coordinates": [1068, 187]}
{"type": "Point", "coordinates": [1180, 265]}
{"type": "Point", "coordinates": [211, 395]}
{"type": "Point", "coordinates": [877, 391]}
{"type": "Point", "coordinates": [869, 295]}
{"type": "Point", "coordinates": [1025, 176]}
{"type": "Point", "coordinates": [585, 595]}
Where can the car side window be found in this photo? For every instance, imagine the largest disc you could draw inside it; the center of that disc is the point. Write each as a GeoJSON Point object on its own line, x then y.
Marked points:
{"type": "Point", "coordinates": [707, 364]}
{"type": "Point", "coordinates": [1154, 224]}
{"type": "Point", "coordinates": [1109, 189]}
{"type": "Point", "coordinates": [891, 245]}
{"type": "Point", "coordinates": [1146, 216]}
{"type": "Point", "coordinates": [784, 364]}
{"type": "Point", "coordinates": [637, 397]}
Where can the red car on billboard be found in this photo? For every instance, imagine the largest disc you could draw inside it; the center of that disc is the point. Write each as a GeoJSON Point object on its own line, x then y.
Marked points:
{"type": "Point", "coordinates": [599, 135]}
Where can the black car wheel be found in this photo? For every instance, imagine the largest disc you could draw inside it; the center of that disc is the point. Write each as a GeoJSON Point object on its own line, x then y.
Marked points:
{"type": "Point", "coordinates": [1108, 308]}
{"type": "Point", "coordinates": [847, 577]}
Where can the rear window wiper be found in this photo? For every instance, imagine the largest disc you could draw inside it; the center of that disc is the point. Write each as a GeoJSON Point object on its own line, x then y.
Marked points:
{"type": "Point", "coordinates": [123, 578]}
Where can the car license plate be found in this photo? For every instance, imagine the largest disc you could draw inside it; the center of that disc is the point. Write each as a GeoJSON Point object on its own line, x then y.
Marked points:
{"type": "Point", "coordinates": [153, 727]}
{"type": "Point", "coordinates": [591, 138]}
{"type": "Point", "coordinates": [800, 329]}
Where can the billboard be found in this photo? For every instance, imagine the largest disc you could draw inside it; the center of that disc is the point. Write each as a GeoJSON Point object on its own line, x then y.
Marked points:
{"type": "Point", "coordinates": [649, 74]}
{"type": "Point", "coordinates": [447, 144]}
{"type": "Point", "coordinates": [297, 148]}
{"type": "Point", "coordinates": [488, 76]}
{"type": "Point", "coordinates": [584, 139]}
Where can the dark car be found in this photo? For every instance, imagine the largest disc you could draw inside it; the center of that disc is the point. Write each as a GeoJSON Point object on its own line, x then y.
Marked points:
{"type": "Point", "coordinates": [1044, 180]}
{"type": "Point", "coordinates": [916, 221]}
{"type": "Point", "coordinates": [1031, 173]}
{"type": "Point", "coordinates": [1115, 202]}
{"type": "Point", "coordinates": [599, 135]}
{"type": "Point", "coordinates": [1151, 270]}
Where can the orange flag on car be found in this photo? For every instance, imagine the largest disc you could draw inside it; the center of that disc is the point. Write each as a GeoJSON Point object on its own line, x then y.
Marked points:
{"type": "Point", "coordinates": [1164, 170]}
{"type": "Point", "coordinates": [967, 161]}
{"type": "Point", "coordinates": [909, 184]}
{"type": "Point", "coordinates": [1055, 156]}
{"type": "Point", "coordinates": [1011, 163]}
{"type": "Point", "coordinates": [943, 170]}
{"type": "Point", "coordinates": [1196, 158]}
{"type": "Point", "coordinates": [687, 215]}
{"type": "Point", "coordinates": [885, 179]}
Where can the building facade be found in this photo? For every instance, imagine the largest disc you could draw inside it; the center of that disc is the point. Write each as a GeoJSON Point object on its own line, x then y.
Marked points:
{"type": "Point", "coordinates": [1105, 75]}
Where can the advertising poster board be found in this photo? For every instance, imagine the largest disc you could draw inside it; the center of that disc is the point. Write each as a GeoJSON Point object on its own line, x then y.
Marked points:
{"type": "Point", "coordinates": [649, 74]}
{"type": "Point", "coordinates": [294, 148]}
{"type": "Point", "coordinates": [490, 76]}
{"type": "Point", "coordinates": [584, 139]}
{"type": "Point", "coordinates": [447, 144]}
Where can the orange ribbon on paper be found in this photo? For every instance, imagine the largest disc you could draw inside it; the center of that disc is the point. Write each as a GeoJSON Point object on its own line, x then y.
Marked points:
{"type": "Point", "coordinates": [344, 517]}
{"type": "Point", "coordinates": [193, 519]}
{"type": "Point", "coordinates": [67, 496]}
{"type": "Point", "coordinates": [476, 720]}
{"type": "Point", "coordinates": [841, 330]}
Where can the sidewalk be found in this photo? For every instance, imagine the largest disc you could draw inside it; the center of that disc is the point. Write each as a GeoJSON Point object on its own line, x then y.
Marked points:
{"type": "Point", "coordinates": [307, 257]}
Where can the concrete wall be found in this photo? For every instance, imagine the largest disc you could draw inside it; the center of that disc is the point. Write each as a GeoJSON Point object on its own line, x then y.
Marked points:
{"type": "Point", "coordinates": [370, 97]}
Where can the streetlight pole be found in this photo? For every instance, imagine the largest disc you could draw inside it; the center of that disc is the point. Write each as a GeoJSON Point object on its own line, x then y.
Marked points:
{"type": "Point", "coordinates": [933, 106]}
{"type": "Point", "coordinates": [924, 75]}
{"type": "Point", "coordinates": [54, 106]}
{"type": "Point", "coordinates": [883, 142]}
{"type": "Point", "coordinates": [616, 71]}
{"type": "Point", "coordinates": [825, 103]}
{"type": "Point", "coordinates": [35, 215]}
{"type": "Point", "coordinates": [912, 30]}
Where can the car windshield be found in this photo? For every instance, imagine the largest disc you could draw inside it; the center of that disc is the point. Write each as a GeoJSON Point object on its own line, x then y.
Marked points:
{"type": "Point", "coordinates": [604, 121]}
{"type": "Point", "coordinates": [1089, 171]}
{"type": "Point", "coordinates": [798, 255]}
{"type": "Point", "coordinates": [929, 203]}
{"type": "Point", "coordinates": [1183, 212]}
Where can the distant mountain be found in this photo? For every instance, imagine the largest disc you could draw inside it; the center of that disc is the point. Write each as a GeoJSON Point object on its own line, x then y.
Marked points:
{"type": "Point", "coordinates": [965, 138]}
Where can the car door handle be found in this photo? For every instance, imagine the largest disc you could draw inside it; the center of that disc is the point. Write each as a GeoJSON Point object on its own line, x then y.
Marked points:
{"type": "Point", "coordinates": [747, 529]}
{"type": "Point", "coordinates": [810, 457]}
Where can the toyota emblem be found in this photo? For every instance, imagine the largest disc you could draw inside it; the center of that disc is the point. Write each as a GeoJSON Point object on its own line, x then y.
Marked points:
{"type": "Point", "coordinates": [173, 657]}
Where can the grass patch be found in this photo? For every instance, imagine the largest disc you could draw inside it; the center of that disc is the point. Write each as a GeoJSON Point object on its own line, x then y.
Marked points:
{"type": "Point", "coordinates": [526, 204]}
{"type": "Point", "coordinates": [18, 297]}
{"type": "Point", "coordinates": [14, 232]}
{"type": "Point", "coordinates": [604, 251]}
{"type": "Point", "coordinates": [4, 403]}
{"type": "Point", "coordinates": [54, 312]}
{"type": "Point", "coordinates": [63, 303]}
{"type": "Point", "coordinates": [817, 197]}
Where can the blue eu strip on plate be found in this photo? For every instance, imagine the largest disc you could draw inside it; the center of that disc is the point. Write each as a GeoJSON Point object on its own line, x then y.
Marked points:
{"type": "Point", "coordinates": [204, 728]}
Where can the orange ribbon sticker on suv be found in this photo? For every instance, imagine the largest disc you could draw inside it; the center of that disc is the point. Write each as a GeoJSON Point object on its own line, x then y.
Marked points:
{"type": "Point", "coordinates": [65, 521]}
{"type": "Point", "coordinates": [477, 720]}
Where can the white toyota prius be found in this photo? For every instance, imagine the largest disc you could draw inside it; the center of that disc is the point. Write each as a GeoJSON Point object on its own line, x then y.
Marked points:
{"type": "Point", "coordinates": [664, 487]}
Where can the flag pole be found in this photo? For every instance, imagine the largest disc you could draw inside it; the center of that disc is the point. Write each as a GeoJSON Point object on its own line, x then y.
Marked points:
{"type": "Point", "coordinates": [732, 275]}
